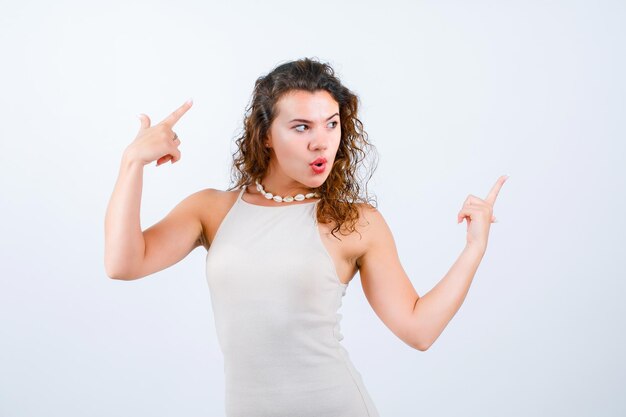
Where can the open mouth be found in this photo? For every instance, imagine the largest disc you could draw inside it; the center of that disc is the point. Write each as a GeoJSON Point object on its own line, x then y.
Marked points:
{"type": "Point", "coordinates": [319, 167]}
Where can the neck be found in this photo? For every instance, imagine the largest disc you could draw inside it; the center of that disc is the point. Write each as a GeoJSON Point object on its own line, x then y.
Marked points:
{"type": "Point", "coordinates": [281, 185]}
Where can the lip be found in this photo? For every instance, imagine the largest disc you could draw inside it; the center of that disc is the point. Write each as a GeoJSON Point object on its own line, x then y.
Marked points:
{"type": "Point", "coordinates": [320, 169]}
{"type": "Point", "coordinates": [319, 160]}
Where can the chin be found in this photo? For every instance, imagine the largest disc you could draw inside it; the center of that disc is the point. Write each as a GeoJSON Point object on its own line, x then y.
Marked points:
{"type": "Point", "coordinates": [316, 182]}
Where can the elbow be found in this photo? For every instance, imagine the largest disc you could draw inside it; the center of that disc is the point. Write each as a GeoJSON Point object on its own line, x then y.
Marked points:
{"type": "Point", "coordinates": [423, 348]}
{"type": "Point", "coordinates": [116, 274]}
{"type": "Point", "coordinates": [420, 345]}
{"type": "Point", "coordinates": [417, 342]}
{"type": "Point", "coordinates": [118, 270]}
{"type": "Point", "coordinates": [117, 277]}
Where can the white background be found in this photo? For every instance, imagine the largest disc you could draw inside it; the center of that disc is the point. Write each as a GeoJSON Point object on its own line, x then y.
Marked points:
{"type": "Point", "coordinates": [454, 94]}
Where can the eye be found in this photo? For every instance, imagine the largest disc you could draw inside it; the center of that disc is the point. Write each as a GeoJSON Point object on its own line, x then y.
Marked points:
{"type": "Point", "coordinates": [300, 126]}
{"type": "Point", "coordinates": [335, 122]}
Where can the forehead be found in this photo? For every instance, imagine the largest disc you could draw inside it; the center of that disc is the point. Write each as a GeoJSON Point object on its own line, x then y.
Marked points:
{"type": "Point", "coordinates": [299, 103]}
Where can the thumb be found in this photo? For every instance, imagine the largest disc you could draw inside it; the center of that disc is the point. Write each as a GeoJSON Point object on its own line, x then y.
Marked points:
{"type": "Point", "coordinates": [145, 120]}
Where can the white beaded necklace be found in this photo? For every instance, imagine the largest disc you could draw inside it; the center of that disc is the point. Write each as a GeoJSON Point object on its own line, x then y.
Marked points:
{"type": "Point", "coordinates": [280, 199]}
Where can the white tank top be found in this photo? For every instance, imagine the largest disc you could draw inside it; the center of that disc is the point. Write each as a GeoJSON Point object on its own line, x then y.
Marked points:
{"type": "Point", "coordinates": [275, 294]}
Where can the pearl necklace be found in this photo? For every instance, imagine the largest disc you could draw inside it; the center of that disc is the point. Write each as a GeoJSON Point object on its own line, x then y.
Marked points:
{"type": "Point", "coordinates": [280, 199]}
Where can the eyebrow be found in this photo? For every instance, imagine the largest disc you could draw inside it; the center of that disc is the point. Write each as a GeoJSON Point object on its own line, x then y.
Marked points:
{"type": "Point", "coordinates": [308, 121]}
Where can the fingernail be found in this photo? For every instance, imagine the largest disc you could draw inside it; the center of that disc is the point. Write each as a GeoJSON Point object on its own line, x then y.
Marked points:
{"type": "Point", "coordinates": [190, 101]}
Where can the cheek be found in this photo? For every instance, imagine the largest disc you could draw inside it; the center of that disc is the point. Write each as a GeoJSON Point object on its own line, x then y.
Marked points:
{"type": "Point", "coordinates": [337, 143]}
{"type": "Point", "coordinates": [290, 149]}
{"type": "Point", "coordinates": [289, 153]}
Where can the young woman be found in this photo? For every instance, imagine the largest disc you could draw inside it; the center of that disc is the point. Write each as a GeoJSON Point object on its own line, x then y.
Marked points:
{"type": "Point", "coordinates": [283, 244]}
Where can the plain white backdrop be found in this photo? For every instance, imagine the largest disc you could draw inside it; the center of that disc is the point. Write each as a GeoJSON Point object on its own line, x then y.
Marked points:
{"type": "Point", "coordinates": [454, 94]}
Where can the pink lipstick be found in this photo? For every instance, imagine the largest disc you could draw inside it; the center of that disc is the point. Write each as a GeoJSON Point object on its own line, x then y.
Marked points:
{"type": "Point", "coordinates": [319, 165]}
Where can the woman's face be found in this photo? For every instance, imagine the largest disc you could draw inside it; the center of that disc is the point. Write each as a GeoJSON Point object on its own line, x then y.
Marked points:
{"type": "Point", "coordinates": [306, 128]}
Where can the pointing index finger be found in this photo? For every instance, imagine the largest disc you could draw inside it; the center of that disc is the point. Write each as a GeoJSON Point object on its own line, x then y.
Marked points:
{"type": "Point", "coordinates": [491, 197]}
{"type": "Point", "coordinates": [177, 114]}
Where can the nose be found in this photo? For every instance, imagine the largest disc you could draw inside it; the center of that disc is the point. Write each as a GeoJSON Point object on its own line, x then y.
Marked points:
{"type": "Point", "coordinates": [319, 140]}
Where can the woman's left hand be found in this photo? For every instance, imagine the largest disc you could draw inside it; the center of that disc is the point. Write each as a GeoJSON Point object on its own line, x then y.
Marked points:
{"type": "Point", "coordinates": [479, 215]}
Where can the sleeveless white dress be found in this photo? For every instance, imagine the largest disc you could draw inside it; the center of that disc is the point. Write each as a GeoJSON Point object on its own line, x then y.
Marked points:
{"type": "Point", "coordinates": [275, 294]}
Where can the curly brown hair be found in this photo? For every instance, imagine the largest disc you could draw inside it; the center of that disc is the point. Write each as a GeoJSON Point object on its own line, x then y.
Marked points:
{"type": "Point", "coordinates": [342, 189]}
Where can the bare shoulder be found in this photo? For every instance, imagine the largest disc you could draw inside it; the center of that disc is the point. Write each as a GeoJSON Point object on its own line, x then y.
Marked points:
{"type": "Point", "coordinates": [208, 195]}
{"type": "Point", "coordinates": [210, 198]}
{"type": "Point", "coordinates": [368, 213]}
{"type": "Point", "coordinates": [373, 228]}
{"type": "Point", "coordinates": [199, 201]}
{"type": "Point", "coordinates": [353, 240]}
{"type": "Point", "coordinates": [370, 219]}
{"type": "Point", "coordinates": [211, 206]}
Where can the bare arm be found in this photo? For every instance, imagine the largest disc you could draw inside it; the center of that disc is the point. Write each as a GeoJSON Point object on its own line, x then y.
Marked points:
{"type": "Point", "coordinates": [418, 321]}
{"type": "Point", "coordinates": [132, 254]}
{"type": "Point", "coordinates": [124, 244]}
{"type": "Point", "coordinates": [129, 252]}
{"type": "Point", "coordinates": [434, 310]}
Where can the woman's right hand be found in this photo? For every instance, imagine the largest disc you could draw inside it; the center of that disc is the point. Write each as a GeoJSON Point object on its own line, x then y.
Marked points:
{"type": "Point", "coordinates": [156, 142]}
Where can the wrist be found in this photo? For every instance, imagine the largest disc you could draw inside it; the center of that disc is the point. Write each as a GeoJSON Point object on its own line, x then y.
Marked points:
{"type": "Point", "coordinates": [476, 248]}
{"type": "Point", "coordinates": [129, 160]}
